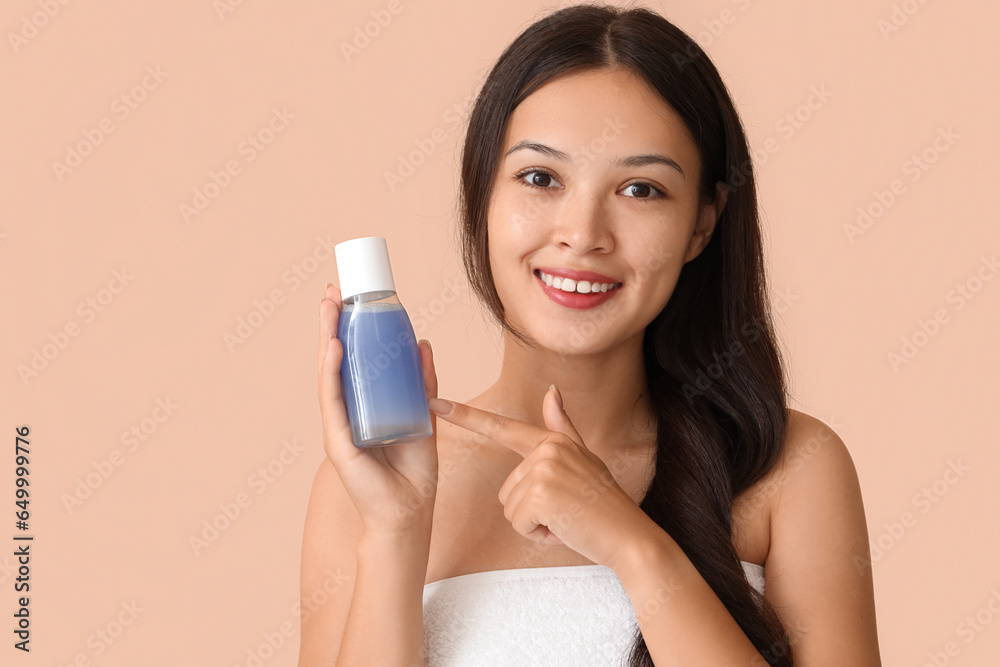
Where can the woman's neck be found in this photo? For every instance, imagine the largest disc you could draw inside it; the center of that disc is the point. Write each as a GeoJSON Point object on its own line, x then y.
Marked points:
{"type": "Point", "coordinates": [604, 395]}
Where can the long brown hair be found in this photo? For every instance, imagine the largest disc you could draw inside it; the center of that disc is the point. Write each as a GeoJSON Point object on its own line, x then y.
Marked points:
{"type": "Point", "coordinates": [714, 374]}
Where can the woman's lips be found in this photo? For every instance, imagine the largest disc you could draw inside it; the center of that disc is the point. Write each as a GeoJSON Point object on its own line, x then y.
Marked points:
{"type": "Point", "coordinates": [575, 299]}
{"type": "Point", "coordinates": [574, 274]}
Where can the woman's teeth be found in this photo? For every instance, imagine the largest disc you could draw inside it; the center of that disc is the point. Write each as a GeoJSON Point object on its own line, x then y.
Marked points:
{"type": "Point", "coordinates": [570, 285]}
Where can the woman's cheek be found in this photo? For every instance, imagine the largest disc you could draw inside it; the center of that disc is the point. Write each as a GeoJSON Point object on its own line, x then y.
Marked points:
{"type": "Point", "coordinates": [658, 256]}
{"type": "Point", "coordinates": [525, 213]}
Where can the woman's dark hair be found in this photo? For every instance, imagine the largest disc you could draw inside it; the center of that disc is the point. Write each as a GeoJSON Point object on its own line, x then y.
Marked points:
{"type": "Point", "coordinates": [714, 374]}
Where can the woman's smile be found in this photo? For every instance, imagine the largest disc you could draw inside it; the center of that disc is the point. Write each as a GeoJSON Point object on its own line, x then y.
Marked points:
{"type": "Point", "coordinates": [578, 294]}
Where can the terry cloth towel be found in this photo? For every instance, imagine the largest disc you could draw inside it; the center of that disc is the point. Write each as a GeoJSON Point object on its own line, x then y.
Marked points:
{"type": "Point", "coordinates": [534, 617]}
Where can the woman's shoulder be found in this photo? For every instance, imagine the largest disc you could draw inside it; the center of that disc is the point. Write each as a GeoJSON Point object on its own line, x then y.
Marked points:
{"type": "Point", "coordinates": [807, 438]}
{"type": "Point", "coordinates": [812, 457]}
{"type": "Point", "coordinates": [804, 436]}
{"type": "Point", "coordinates": [815, 462]}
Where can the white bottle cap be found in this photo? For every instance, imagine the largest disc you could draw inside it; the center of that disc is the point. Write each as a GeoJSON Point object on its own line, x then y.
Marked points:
{"type": "Point", "coordinates": [363, 266]}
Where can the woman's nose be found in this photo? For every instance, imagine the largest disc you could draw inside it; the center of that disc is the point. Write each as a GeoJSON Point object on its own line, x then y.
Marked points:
{"type": "Point", "coordinates": [582, 223]}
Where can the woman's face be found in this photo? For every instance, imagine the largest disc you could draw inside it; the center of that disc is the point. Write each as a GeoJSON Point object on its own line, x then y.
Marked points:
{"type": "Point", "coordinates": [586, 196]}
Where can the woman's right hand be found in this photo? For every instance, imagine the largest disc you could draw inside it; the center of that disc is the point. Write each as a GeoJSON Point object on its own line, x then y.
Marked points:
{"type": "Point", "coordinates": [394, 486]}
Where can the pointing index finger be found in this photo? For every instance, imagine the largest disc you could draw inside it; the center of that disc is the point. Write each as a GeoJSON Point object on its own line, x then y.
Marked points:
{"type": "Point", "coordinates": [512, 433]}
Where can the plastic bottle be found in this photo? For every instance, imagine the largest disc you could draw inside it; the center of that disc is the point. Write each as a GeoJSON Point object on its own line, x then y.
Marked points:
{"type": "Point", "coordinates": [381, 375]}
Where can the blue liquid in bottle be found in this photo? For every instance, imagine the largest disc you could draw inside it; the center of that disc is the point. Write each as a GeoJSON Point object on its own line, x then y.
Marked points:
{"type": "Point", "coordinates": [381, 375]}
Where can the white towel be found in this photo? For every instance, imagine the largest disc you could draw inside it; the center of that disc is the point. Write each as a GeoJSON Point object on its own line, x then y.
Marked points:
{"type": "Point", "coordinates": [575, 615]}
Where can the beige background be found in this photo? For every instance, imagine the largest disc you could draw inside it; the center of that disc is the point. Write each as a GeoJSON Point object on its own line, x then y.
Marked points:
{"type": "Point", "coordinates": [846, 302]}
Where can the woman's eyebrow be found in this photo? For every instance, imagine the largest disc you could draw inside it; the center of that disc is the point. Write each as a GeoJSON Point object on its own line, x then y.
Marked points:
{"type": "Point", "coordinates": [630, 161]}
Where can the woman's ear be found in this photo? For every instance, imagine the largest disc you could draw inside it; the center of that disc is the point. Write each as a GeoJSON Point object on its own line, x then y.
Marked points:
{"type": "Point", "coordinates": [705, 225]}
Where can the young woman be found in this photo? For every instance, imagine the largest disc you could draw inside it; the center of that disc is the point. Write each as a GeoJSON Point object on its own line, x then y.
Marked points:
{"type": "Point", "coordinates": [631, 513]}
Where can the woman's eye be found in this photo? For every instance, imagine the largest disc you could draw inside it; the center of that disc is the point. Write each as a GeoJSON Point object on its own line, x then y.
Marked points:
{"type": "Point", "coordinates": [642, 191]}
{"type": "Point", "coordinates": [538, 179]}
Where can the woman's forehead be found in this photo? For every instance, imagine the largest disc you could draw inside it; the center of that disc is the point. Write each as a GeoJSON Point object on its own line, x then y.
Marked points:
{"type": "Point", "coordinates": [616, 108]}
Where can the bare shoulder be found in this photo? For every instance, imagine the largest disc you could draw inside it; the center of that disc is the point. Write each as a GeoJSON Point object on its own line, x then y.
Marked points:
{"type": "Point", "coordinates": [808, 439]}
{"type": "Point", "coordinates": [818, 573]}
{"type": "Point", "coordinates": [815, 466]}
{"type": "Point", "coordinates": [755, 507]}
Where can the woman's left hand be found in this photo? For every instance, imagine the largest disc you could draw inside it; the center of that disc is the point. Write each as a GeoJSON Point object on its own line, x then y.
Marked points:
{"type": "Point", "coordinates": [561, 492]}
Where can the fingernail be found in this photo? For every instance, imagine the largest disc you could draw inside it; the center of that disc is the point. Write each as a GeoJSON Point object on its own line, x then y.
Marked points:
{"type": "Point", "coordinates": [440, 406]}
{"type": "Point", "coordinates": [558, 395]}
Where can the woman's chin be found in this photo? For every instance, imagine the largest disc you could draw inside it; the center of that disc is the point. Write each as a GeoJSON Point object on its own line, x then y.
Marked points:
{"type": "Point", "coordinates": [574, 343]}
